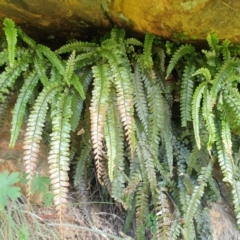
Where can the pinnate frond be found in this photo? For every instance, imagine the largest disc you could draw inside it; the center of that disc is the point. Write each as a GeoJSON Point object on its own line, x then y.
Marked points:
{"type": "Point", "coordinates": [147, 50]}
{"type": "Point", "coordinates": [58, 158]}
{"type": "Point", "coordinates": [11, 35]}
{"type": "Point", "coordinates": [196, 102]}
{"type": "Point", "coordinates": [197, 194]}
{"type": "Point", "coordinates": [34, 129]}
{"type": "Point", "coordinates": [20, 106]}
{"type": "Point", "coordinates": [183, 50]}
{"type": "Point", "coordinates": [186, 93]}
{"type": "Point", "coordinates": [78, 47]}
{"type": "Point", "coordinates": [98, 111]}
{"type": "Point", "coordinates": [162, 210]}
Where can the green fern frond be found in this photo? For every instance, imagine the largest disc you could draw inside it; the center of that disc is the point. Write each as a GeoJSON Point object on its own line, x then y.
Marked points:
{"type": "Point", "coordinates": [147, 50]}
{"type": "Point", "coordinates": [58, 158]}
{"type": "Point", "coordinates": [75, 81]}
{"type": "Point", "coordinates": [175, 229]}
{"type": "Point", "coordinates": [11, 35]}
{"type": "Point", "coordinates": [78, 47]}
{"type": "Point", "coordinates": [205, 72]}
{"type": "Point", "coordinates": [141, 211]}
{"type": "Point", "coordinates": [69, 68]}
{"type": "Point", "coordinates": [41, 70]}
{"type": "Point", "coordinates": [134, 42]}
{"type": "Point", "coordinates": [52, 57]}
{"type": "Point", "coordinates": [31, 43]}
{"type": "Point", "coordinates": [161, 55]}
{"type": "Point", "coordinates": [209, 118]}
{"type": "Point", "coordinates": [110, 137]}
{"type": "Point", "coordinates": [232, 105]}
{"type": "Point", "coordinates": [122, 81]}
{"type": "Point", "coordinates": [34, 129]}
{"type": "Point", "coordinates": [140, 98]}
{"type": "Point", "coordinates": [226, 71]}
{"type": "Point", "coordinates": [197, 194]}
{"type": "Point", "coordinates": [3, 57]}
{"type": "Point", "coordinates": [144, 153]}
{"type": "Point", "coordinates": [98, 110]}
{"type": "Point", "coordinates": [162, 210]}
{"type": "Point", "coordinates": [236, 199]}
{"type": "Point", "coordinates": [183, 50]}
{"type": "Point", "coordinates": [224, 159]}
{"type": "Point", "coordinates": [213, 41]}
{"type": "Point", "coordinates": [196, 101]}
{"type": "Point", "coordinates": [20, 106]}
{"type": "Point", "coordinates": [226, 137]}
{"type": "Point", "coordinates": [186, 93]}
{"type": "Point", "coordinates": [9, 76]}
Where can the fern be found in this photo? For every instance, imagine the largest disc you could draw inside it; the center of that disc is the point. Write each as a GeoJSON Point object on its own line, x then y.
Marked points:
{"type": "Point", "coordinates": [20, 106]}
{"type": "Point", "coordinates": [147, 50]}
{"type": "Point", "coordinates": [197, 194]}
{"type": "Point", "coordinates": [163, 214]}
{"type": "Point", "coordinates": [9, 76]}
{"type": "Point", "coordinates": [98, 112]}
{"type": "Point", "coordinates": [183, 50]}
{"type": "Point", "coordinates": [41, 70]}
{"type": "Point", "coordinates": [11, 35]}
{"type": "Point", "coordinates": [34, 129]}
{"type": "Point", "coordinates": [140, 98]}
{"type": "Point", "coordinates": [26, 38]}
{"type": "Point", "coordinates": [196, 101]}
{"type": "Point", "coordinates": [141, 211]}
{"type": "Point", "coordinates": [236, 199]}
{"type": "Point", "coordinates": [3, 110]}
{"type": "Point", "coordinates": [52, 57]}
{"type": "Point", "coordinates": [186, 94]}
{"type": "Point", "coordinates": [59, 153]}
{"type": "Point", "coordinates": [78, 47]}
{"type": "Point", "coordinates": [69, 68]}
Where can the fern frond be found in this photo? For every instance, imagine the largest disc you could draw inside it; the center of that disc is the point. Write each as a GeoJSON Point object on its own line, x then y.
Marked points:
{"type": "Point", "coordinates": [196, 101]}
{"type": "Point", "coordinates": [9, 76]}
{"type": "Point", "coordinates": [20, 106]}
{"type": "Point", "coordinates": [78, 47]}
{"type": "Point", "coordinates": [231, 99]}
{"type": "Point", "coordinates": [11, 35]}
{"type": "Point", "coordinates": [69, 68]}
{"type": "Point", "coordinates": [162, 210]}
{"type": "Point", "coordinates": [52, 57]}
{"type": "Point", "coordinates": [209, 118]}
{"type": "Point", "coordinates": [3, 110]}
{"type": "Point", "coordinates": [123, 84]}
{"type": "Point", "coordinates": [175, 229]}
{"type": "Point", "coordinates": [133, 41]}
{"type": "Point", "coordinates": [141, 211]}
{"type": "Point", "coordinates": [183, 50]}
{"type": "Point", "coordinates": [75, 81]}
{"type": "Point", "coordinates": [186, 93]}
{"type": "Point", "coordinates": [31, 43]}
{"type": "Point", "coordinates": [205, 72]}
{"type": "Point", "coordinates": [147, 50]}
{"type": "Point", "coordinates": [140, 98]}
{"type": "Point", "coordinates": [98, 110]}
{"type": "Point", "coordinates": [236, 199]}
{"type": "Point", "coordinates": [226, 71]}
{"type": "Point", "coordinates": [34, 129]}
{"type": "Point", "coordinates": [41, 70]}
{"type": "Point", "coordinates": [226, 137]}
{"type": "Point", "coordinates": [144, 153]}
{"type": "Point", "coordinates": [224, 159]}
{"type": "Point", "coordinates": [110, 137]}
{"type": "Point", "coordinates": [213, 41]}
{"type": "Point", "coordinates": [59, 151]}
{"type": "Point", "coordinates": [197, 194]}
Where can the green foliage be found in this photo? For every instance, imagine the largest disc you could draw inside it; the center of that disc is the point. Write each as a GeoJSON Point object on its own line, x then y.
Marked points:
{"type": "Point", "coordinates": [7, 188]}
{"type": "Point", "coordinates": [112, 104]}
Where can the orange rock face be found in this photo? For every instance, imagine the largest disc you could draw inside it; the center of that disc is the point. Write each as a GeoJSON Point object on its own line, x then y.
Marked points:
{"type": "Point", "coordinates": [167, 18]}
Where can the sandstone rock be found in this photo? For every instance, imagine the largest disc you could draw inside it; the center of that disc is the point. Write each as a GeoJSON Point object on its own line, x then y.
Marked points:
{"type": "Point", "coordinates": [184, 19]}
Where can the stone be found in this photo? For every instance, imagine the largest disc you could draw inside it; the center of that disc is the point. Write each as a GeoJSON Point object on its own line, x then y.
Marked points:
{"type": "Point", "coordinates": [171, 19]}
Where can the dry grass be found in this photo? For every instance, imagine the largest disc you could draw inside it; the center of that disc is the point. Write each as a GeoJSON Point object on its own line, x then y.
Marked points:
{"type": "Point", "coordinates": [20, 222]}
